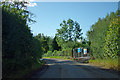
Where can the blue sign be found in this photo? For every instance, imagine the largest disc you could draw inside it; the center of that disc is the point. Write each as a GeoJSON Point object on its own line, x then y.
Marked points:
{"type": "Point", "coordinates": [79, 50]}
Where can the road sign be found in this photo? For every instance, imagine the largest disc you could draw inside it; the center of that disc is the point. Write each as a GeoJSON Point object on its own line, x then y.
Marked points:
{"type": "Point", "coordinates": [85, 51]}
{"type": "Point", "coordinates": [79, 50]}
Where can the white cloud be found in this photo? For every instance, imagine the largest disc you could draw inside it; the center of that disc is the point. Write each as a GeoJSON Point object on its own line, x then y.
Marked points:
{"type": "Point", "coordinates": [67, 0]}
{"type": "Point", "coordinates": [75, 0]}
{"type": "Point", "coordinates": [31, 4]}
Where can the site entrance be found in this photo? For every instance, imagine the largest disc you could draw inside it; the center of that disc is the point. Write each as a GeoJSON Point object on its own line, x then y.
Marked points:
{"type": "Point", "coordinates": [80, 52]}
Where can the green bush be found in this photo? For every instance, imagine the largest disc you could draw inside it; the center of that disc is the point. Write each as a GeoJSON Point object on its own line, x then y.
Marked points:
{"type": "Point", "coordinates": [55, 53]}
{"type": "Point", "coordinates": [49, 53]}
{"type": "Point", "coordinates": [67, 52]}
{"type": "Point", "coordinates": [107, 63]}
{"type": "Point", "coordinates": [59, 53]}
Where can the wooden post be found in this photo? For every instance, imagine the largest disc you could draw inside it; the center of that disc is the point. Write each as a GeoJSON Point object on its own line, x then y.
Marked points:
{"type": "Point", "coordinates": [81, 52]}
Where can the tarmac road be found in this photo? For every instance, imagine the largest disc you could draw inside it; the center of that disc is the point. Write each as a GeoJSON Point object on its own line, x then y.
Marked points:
{"type": "Point", "coordinates": [71, 69]}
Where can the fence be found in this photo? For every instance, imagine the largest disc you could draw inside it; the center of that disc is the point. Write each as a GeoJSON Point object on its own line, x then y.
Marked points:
{"type": "Point", "coordinates": [80, 52]}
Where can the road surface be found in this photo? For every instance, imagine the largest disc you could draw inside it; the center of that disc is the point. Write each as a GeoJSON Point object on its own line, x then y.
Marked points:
{"type": "Point", "coordinates": [72, 69]}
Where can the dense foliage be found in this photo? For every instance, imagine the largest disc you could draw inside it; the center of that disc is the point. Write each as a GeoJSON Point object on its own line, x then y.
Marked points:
{"type": "Point", "coordinates": [45, 42]}
{"type": "Point", "coordinates": [64, 52]}
{"type": "Point", "coordinates": [55, 45]}
{"type": "Point", "coordinates": [99, 35]}
{"type": "Point", "coordinates": [112, 40]}
{"type": "Point", "coordinates": [20, 50]}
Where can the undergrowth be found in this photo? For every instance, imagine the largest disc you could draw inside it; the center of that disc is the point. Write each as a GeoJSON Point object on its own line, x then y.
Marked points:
{"type": "Point", "coordinates": [106, 63]}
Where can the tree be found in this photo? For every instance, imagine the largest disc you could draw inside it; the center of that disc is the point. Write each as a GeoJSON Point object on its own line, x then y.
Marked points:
{"type": "Point", "coordinates": [55, 45]}
{"type": "Point", "coordinates": [46, 42]}
{"type": "Point", "coordinates": [18, 52]}
{"type": "Point", "coordinates": [20, 8]}
{"type": "Point", "coordinates": [98, 33]}
{"type": "Point", "coordinates": [70, 31]}
{"type": "Point", "coordinates": [112, 40]}
{"type": "Point", "coordinates": [37, 49]}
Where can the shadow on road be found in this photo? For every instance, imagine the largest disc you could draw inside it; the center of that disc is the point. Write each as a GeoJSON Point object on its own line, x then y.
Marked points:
{"type": "Point", "coordinates": [69, 69]}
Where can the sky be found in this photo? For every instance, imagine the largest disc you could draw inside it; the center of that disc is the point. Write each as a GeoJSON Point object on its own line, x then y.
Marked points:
{"type": "Point", "coordinates": [49, 15]}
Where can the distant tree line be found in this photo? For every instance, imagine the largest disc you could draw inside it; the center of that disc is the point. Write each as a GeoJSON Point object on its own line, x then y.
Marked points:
{"type": "Point", "coordinates": [104, 37]}
{"type": "Point", "coordinates": [47, 43]}
{"type": "Point", "coordinates": [66, 38]}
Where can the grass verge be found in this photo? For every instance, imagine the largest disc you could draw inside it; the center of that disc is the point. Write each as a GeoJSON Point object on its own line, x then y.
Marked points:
{"type": "Point", "coordinates": [106, 63]}
{"type": "Point", "coordinates": [26, 73]}
{"type": "Point", "coordinates": [58, 57]}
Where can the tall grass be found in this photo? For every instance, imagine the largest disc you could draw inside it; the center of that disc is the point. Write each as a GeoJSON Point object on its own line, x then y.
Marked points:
{"type": "Point", "coordinates": [106, 63]}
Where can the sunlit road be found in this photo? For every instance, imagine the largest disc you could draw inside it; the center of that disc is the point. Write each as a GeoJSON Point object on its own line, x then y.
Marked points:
{"type": "Point", "coordinates": [71, 69]}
